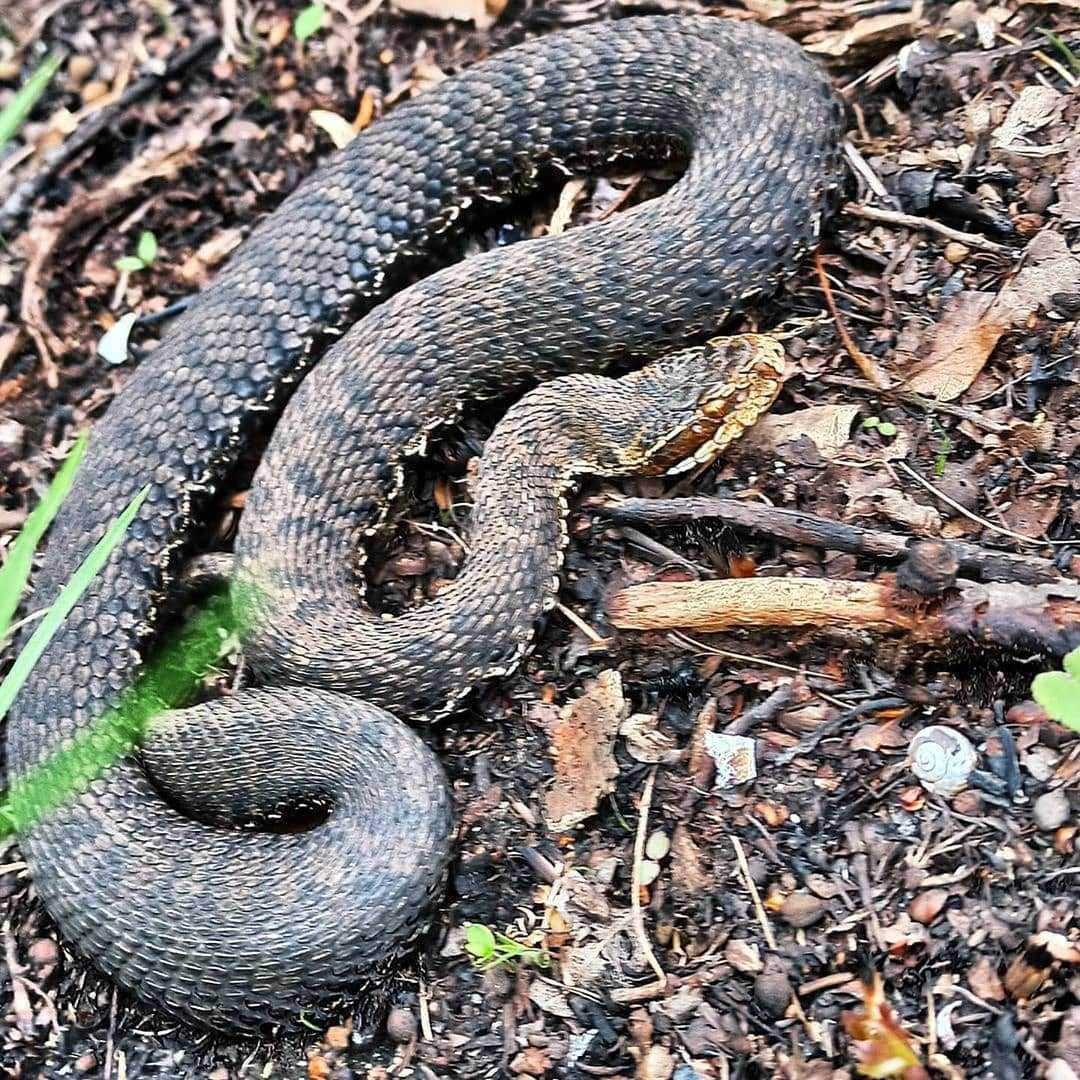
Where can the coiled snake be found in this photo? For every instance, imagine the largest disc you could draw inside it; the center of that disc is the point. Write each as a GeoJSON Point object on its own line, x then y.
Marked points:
{"type": "Point", "coordinates": [236, 929]}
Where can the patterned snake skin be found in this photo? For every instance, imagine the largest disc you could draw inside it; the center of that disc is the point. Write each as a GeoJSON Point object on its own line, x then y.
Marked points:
{"type": "Point", "coordinates": [235, 928]}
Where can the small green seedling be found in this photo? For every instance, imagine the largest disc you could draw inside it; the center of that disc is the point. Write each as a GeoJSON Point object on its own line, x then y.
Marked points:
{"type": "Point", "coordinates": [308, 21]}
{"type": "Point", "coordinates": [488, 948]}
{"type": "Point", "coordinates": [145, 254]}
{"type": "Point", "coordinates": [1058, 692]}
{"type": "Point", "coordinates": [26, 97]}
{"type": "Point", "coordinates": [885, 428]}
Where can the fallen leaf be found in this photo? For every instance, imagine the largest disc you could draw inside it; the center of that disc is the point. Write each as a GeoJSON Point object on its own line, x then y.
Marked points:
{"type": "Point", "coordinates": [983, 980]}
{"type": "Point", "coordinates": [339, 129]}
{"type": "Point", "coordinates": [688, 871]}
{"type": "Point", "coordinates": [644, 741]}
{"type": "Point", "coordinates": [482, 13]}
{"type": "Point", "coordinates": [876, 30]}
{"type": "Point", "coordinates": [875, 736]}
{"type": "Point", "coordinates": [828, 427]}
{"type": "Point", "coordinates": [582, 738]}
{"type": "Point", "coordinates": [1035, 107]}
{"type": "Point", "coordinates": [971, 325]}
{"type": "Point", "coordinates": [881, 1047]}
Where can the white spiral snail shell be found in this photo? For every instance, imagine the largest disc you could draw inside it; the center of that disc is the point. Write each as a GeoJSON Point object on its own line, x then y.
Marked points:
{"type": "Point", "coordinates": [942, 759]}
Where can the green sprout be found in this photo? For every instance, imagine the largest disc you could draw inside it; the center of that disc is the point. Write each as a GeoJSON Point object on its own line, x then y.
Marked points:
{"type": "Point", "coordinates": [169, 679]}
{"type": "Point", "coordinates": [1058, 692]}
{"type": "Point", "coordinates": [26, 97]}
{"type": "Point", "coordinates": [308, 21]}
{"type": "Point", "coordinates": [489, 948]}
{"type": "Point", "coordinates": [145, 254]}
{"type": "Point", "coordinates": [885, 428]}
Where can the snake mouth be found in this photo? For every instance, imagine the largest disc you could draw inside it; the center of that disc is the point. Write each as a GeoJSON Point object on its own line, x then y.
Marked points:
{"type": "Point", "coordinates": [753, 373]}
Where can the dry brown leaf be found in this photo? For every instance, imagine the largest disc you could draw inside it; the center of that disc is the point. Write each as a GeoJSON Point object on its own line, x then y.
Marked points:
{"type": "Point", "coordinates": [689, 874]}
{"type": "Point", "coordinates": [339, 129]}
{"type": "Point", "coordinates": [875, 736]}
{"type": "Point", "coordinates": [983, 980]}
{"type": "Point", "coordinates": [644, 741]}
{"type": "Point", "coordinates": [1035, 107]}
{"type": "Point", "coordinates": [828, 427]}
{"type": "Point", "coordinates": [568, 199]}
{"type": "Point", "coordinates": [875, 30]}
{"type": "Point", "coordinates": [482, 13]}
{"type": "Point", "coordinates": [880, 1045]}
{"type": "Point", "coordinates": [582, 738]}
{"type": "Point", "coordinates": [972, 323]}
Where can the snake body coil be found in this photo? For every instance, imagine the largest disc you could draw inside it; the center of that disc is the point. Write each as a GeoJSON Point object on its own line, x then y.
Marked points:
{"type": "Point", "coordinates": [233, 928]}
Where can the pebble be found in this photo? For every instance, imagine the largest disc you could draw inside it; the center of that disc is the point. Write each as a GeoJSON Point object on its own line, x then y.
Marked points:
{"type": "Point", "coordinates": [773, 992]}
{"type": "Point", "coordinates": [1051, 810]}
{"type": "Point", "coordinates": [337, 1038]}
{"type": "Point", "coordinates": [657, 846]}
{"type": "Point", "coordinates": [956, 253]}
{"type": "Point", "coordinates": [11, 438]}
{"type": "Point", "coordinates": [93, 90]}
{"type": "Point", "coordinates": [1040, 195]}
{"type": "Point", "coordinates": [648, 872]}
{"type": "Point", "coordinates": [85, 1062]}
{"type": "Point", "coordinates": [43, 951]}
{"type": "Point", "coordinates": [79, 69]}
{"type": "Point", "coordinates": [401, 1025]}
{"type": "Point", "coordinates": [803, 909]}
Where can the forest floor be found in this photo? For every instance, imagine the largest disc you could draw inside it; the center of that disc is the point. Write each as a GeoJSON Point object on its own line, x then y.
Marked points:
{"type": "Point", "coordinates": [933, 393]}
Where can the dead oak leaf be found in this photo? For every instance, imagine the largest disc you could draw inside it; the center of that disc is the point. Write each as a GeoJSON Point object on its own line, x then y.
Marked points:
{"type": "Point", "coordinates": [582, 738]}
{"type": "Point", "coordinates": [972, 323]}
{"type": "Point", "coordinates": [828, 427]}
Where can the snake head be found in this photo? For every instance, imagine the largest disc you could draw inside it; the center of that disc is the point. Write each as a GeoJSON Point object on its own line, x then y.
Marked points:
{"type": "Point", "coordinates": [705, 398]}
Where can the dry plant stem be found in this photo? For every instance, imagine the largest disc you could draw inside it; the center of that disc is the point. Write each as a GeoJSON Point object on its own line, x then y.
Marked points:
{"type": "Point", "coordinates": [635, 891]}
{"type": "Point", "coordinates": [19, 201]}
{"type": "Point", "coordinates": [751, 888]}
{"type": "Point", "coordinates": [869, 368]}
{"type": "Point", "coordinates": [1045, 618]}
{"type": "Point", "coordinates": [910, 221]}
{"type": "Point", "coordinates": [800, 528]}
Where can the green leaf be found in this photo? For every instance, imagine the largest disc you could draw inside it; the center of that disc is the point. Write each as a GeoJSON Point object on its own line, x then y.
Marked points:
{"type": "Point", "coordinates": [479, 940]}
{"type": "Point", "coordinates": [129, 263]}
{"type": "Point", "coordinates": [870, 423]}
{"type": "Point", "coordinates": [1071, 663]}
{"type": "Point", "coordinates": [309, 21]}
{"type": "Point", "coordinates": [147, 248]}
{"type": "Point", "coordinates": [16, 568]}
{"type": "Point", "coordinates": [887, 429]}
{"type": "Point", "coordinates": [26, 97]}
{"type": "Point", "coordinates": [1059, 695]}
{"type": "Point", "coordinates": [69, 596]}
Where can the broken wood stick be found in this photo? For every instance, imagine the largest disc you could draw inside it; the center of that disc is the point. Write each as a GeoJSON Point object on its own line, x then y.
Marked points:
{"type": "Point", "coordinates": [814, 531]}
{"type": "Point", "coordinates": [1031, 618]}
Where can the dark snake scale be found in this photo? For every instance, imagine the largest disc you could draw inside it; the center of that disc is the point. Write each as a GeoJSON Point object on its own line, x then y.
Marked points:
{"type": "Point", "coordinates": [241, 928]}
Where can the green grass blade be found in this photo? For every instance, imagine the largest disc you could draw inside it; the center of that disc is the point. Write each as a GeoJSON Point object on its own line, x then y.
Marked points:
{"type": "Point", "coordinates": [20, 556]}
{"type": "Point", "coordinates": [69, 596]}
{"type": "Point", "coordinates": [18, 109]}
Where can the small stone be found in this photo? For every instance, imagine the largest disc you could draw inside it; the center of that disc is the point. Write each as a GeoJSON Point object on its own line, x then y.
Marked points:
{"type": "Point", "coordinates": [11, 438]}
{"type": "Point", "coordinates": [532, 1061]}
{"type": "Point", "coordinates": [337, 1038]}
{"type": "Point", "coordinates": [657, 846]}
{"type": "Point", "coordinates": [85, 1063]}
{"type": "Point", "coordinates": [773, 992]}
{"type": "Point", "coordinates": [1040, 195]}
{"type": "Point", "coordinates": [743, 956]}
{"type": "Point", "coordinates": [926, 907]}
{"type": "Point", "coordinates": [1051, 810]}
{"type": "Point", "coordinates": [79, 69]}
{"type": "Point", "coordinates": [93, 90]}
{"type": "Point", "coordinates": [956, 253]}
{"type": "Point", "coordinates": [43, 951]}
{"type": "Point", "coordinates": [317, 1067]}
{"type": "Point", "coordinates": [803, 909]}
{"type": "Point", "coordinates": [401, 1025]}
{"type": "Point", "coordinates": [648, 872]}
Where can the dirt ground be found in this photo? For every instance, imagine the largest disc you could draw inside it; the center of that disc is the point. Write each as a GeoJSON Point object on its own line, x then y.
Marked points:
{"type": "Point", "coordinates": [933, 393]}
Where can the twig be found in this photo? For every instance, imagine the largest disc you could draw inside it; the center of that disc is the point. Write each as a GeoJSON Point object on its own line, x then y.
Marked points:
{"type": "Point", "coordinates": [1019, 537]}
{"type": "Point", "coordinates": [810, 529]}
{"type": "Point", "coordinates": [20, 200]}
{"type": "Point", "coordinates": [809, 742]}
{"type": "Point", "coordinates": [110, 1040]}
{"type": "Point", "coordinates": [748, 881]}
{"type": "Point", "coordinates": [581, 624]}
{"type": "Point", "coordinates": [894, 217]}
{"type": "Point", "coordinates": [768, 709]}
{"type": "Point", "coordinates": [635, 891]}
{"type": "Point", "coordinates": [869, 368]}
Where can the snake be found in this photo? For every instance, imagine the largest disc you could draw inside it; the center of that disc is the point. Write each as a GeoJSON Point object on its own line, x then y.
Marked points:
{"type": "Point", "coordinates": [340, 326]}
